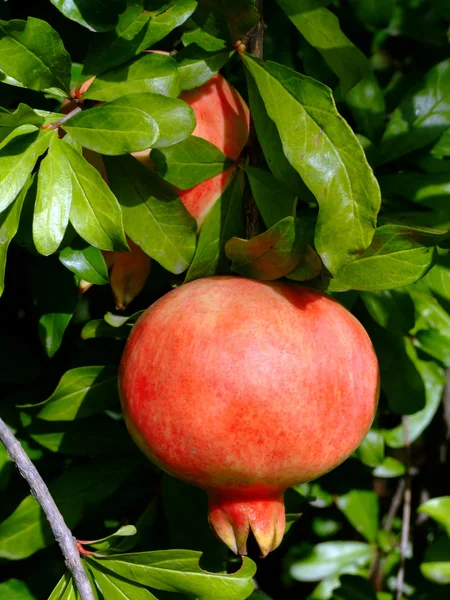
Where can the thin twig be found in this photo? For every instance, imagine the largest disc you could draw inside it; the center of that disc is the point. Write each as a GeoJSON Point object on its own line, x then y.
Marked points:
{"type": "Point", "coordinates": [254, 42]}
{"type": "Point", "coordinates": [63, 119]}
{"type": "Point", "coordinates": [395, 505]}
{"type": "Point", "coordinates": [61, 532]}
{"type": "Point", "coordinates": [406, 513]}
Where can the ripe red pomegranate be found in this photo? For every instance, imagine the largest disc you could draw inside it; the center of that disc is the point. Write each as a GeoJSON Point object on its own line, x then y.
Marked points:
{"type": "Point", "coordinates": [245, 388]}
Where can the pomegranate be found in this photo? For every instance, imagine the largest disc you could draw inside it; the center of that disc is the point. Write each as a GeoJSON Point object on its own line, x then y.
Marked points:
{"type": "Point", "coordinates": [245, 388]}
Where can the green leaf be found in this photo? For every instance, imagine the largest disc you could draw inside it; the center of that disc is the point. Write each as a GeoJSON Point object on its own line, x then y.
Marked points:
{"type": "Point", "coordinates": [62, 588]}
{"type": "Point", "coordinates": [274, 200]}
{"type": "Point", "coordinates": [389, 468]}
{"type": "Point", "coordinates": [116, 587]}
{"type": "Point", "coordinates": [439, 510]}
{"type": "Point", "coordinates": [9, 224]}
{"type": "Point", "coordinates": [331, 558]}
{"type": "Point", "coordinates": [430, 313]}
{"type": "Point", "coordinates": [101, 436]}
{"type": "Point", "coordinates": [14, 589]}
{"type": "Point", "coordinates": [224, 220]}
{"type": "Point", "coordinates": [366, 102]}
{"type": "Point", "coordinates": [442, 147]}
{"type": "Point", "coordinates": [149, 72]}
{"type": "Point", "coordinates": [321, 28]}
{"type": "Point", "coordinates": [435, 345]}
{"type": "Point", "coordinates": [438, 279]}
{"type": "Point", "coordinates": [23, 115]}
{"type": "Point", "coordinates": [422, 116]}
{"type": "Point", "coordinates": [96, 15]}
{"type": "Point", "coordinates": [95, 212]}
{"type": "Point", "coordinates": [108, 543]}
{"type": "Point", "coordinates": [26, 530]}
{"type": "Point", "coordinates": [392, 309]}
{"type": "Point", "coordinates": [371, 449]}
{"type": "Point", "coordinates": [179, 571]}
{"type": "Point", "coordinates": [434, 380]}
{"type": "Point", "coordinates": [53, 200]}
{"type": "Point", "coordinates": [142, 24]}
{"type": "Point", "coordinates": [85, 261]}
{"type": "Point", "coordinates": [375, 14]}
{"type": "Point", "coordinates": [436, 562]}
{"type": "Point", "coordinates": [113, 129]}
{"type": "Point", "coordinates": [17, 159]}
{"type": "Point", "coordinates": [189, 162]}
{"type": "Point", "coordinates": [361, 508]}
{"type": "Point", "coordinates": [175, 118]}
{"type": "Point", "coordinates": [196, 66]}
{"type": "Point", "coordinates": [270, 255]}
{"type": "Point", "coordinates": [310, 129]}
{"type": "Point", "coordinates": [32, 55]}
{"type": "Point", "coordinates": [99, 329]}
{"type": "Point", "coordinates": [398, 256]}
{"type": "Point", "coordinates": [155, 218]}
{"type": "Point", "coordinates": [354, 588]}
{"type": "Point", "coordinates": [56, 296]}
{"type": "Point", "coordinates": [228, 20]}
{"type": "Point", "coordinates": [81, 392]}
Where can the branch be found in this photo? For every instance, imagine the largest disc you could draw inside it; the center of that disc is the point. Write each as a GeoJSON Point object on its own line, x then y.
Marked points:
{"type": "Point", "coordinates": [61, 532]}
{"type": "Point", "coordinates": [406, 513]}
{"type": "Point", "coordinates": [69, 115]}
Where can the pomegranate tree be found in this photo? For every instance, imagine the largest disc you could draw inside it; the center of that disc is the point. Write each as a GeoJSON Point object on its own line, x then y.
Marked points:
{"type": "Point", "coordinates": [245, 388]}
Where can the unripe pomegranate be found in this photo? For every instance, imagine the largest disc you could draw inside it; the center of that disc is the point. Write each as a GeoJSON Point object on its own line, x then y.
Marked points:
{"type": "Point", "coordinates": [245, 388]}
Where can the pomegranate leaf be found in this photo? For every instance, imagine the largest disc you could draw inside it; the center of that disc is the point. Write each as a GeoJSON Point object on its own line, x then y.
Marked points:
{"type": "Point", "coordinates": [96, 15]}
{"type": "Point", "coordinates": [421, 117]}
{"type": "Point", "coordinates": [389, 468]}
{"type": "Point", "coordinates": [189, 162]}
{"type": "Point", "coordinates": [81, 392]}
{"type": "Point", "coordinates": [26, 530]}
{"type": "Point", "coordinates": [439, 510]}
{"type": "Point", "coordinates": [155, 218]}
{"type": "Point", "coordinates": [149, 72]}
{"type": "Point", "coordinates": [64, 589]}
{"type": "Point", "coordinates": [196, 66]}
{"type": "Point", "coordinates": [227, 20]}
{"type": "Point", "coordinates": [179, 571]}
{"type": "Point", "coordinates": [392, 309]}
{"type": "Point", "coordinates": [321, 28]}
{"type": "Point", "coordinates": [23, 115]}
{"type": "Point", "coordinates": [366, 102]}
{"type": "Point", "coordinates": [95, 212]}
{"type": "Point", "coordinates": [354, 587]}
{"type": "Point", "coordinates": [270, 255]}
{"type": "Point", "coordinates": [143, 23]}
{"type": "Point", "coordinates": [85, 261]}
{"type": "Point", "coordinates": [15, 589]}
{"type": "Point", "coordinates": [32, 55]}
{"type": "Point", "coordinates": [53, 201]}
{"type": "Point", "coordinates": [116, 587]}
{"type": "Point", "coordinates": [224, 220]}
{"type": "Point", "coordinates": [361, 508]}
{"type": "Point", "coordinates": [323, 149]}
{"type": "Point", "coordinates": [113, 129]}
{"type": "Point", "coordinates": [371, 449]}
{"type": "Point", "coordinates": [436, 563]}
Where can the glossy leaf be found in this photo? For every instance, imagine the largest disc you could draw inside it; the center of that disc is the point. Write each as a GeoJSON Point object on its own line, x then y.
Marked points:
{"type": "Point", "coordinates": [23, 115]}
{"type": "Point", "coordinates": [9, 224]}
{"type": "Point", "coordinates": [149, 72]}
{"type": "Point", "coordinates": [398, 256]}
{"type": "Point", "coordinates": [17, 159]}
{"type": "Point", "coordinates": [331, 558]}
{"type": "Point", "coordinates": [436, 562]}
{"type": "Point", "coordinates": [53, 201]}
{"type": "Point", "coordinates": [310, 128]}
{"type": "Point", "coordinates": [371, 449]}
{"type": "Point", "coordinates": [392, 309]}
{"type": "Point", "coordinates": [142, 24]}
{"type": "Point", "coordinates": [196, 66]}
{"type": "Point", "coordinates": [274, 199]}
{"type": "Point", "coordinates": [269, 255]}
{"type": "Point", "coordinates": [15, 589]}
{"type": "Point", "coordinates": [95, 212]}
{"type": "Point", "coordinates": [81, 393]}
{"type": "Point", "coordinates": [389, 468]}
{"type": "Point", "coordinates": [181, 573]}
{"type": "Point", "coordinates": [434, 380]}
{"type": "Point", "coordinates": [439, 510]}
{"type": "Point", "coordinates": [85, 261]}
{"type": "Point", "coordinates": [175, 118]}
{"type": "Point", "coordinates": [321, 28]}
{"type": "Point", "coordinates": [26, 530]}
{"type": "Point", "coordinates": [155, 218]}
{"type": "Point", "coordinates": [189, 162]}
{"type": "Point", "coordinates": [422, 116]}
{"type": "Point", "coordinates": [374, 13]}
{"type": "Point", "coordinates": [32, 55]}
{"type": "Point", "coordinates": [224, 220]}
{"type": "Point", "coordinates": [361, 508]}
{"type": "Point", "coordinates": [95, 15]}
{"type": "Point", "coordinates": [108, 543]}
{"type": "Point", "coordinates": [111, 129]}
{"type": "Point", "coordinates": [116, 587]}
{"type": "Point", "coordinates": [366, 102]}
{"type": "Point", "coordinates": [435, 345]}
{"type": "Point", "coordinates": [99, 329]}
{"type": "Point", "coordinates": [228, 20]}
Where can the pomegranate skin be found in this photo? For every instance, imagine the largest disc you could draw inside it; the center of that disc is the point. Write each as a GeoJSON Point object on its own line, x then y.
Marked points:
{"type": "Point", "coordinates": [245, 388]}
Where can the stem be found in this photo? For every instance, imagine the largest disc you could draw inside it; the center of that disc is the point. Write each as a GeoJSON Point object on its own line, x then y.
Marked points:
{"type": "Point", "coordinates": [39, 490]}
{"type": "Point", "coordinates": [255, 41]}
{"type": "Point", "coordinates": [63, 119]}
{"type": "Point", "coordinates": [406, 513]}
